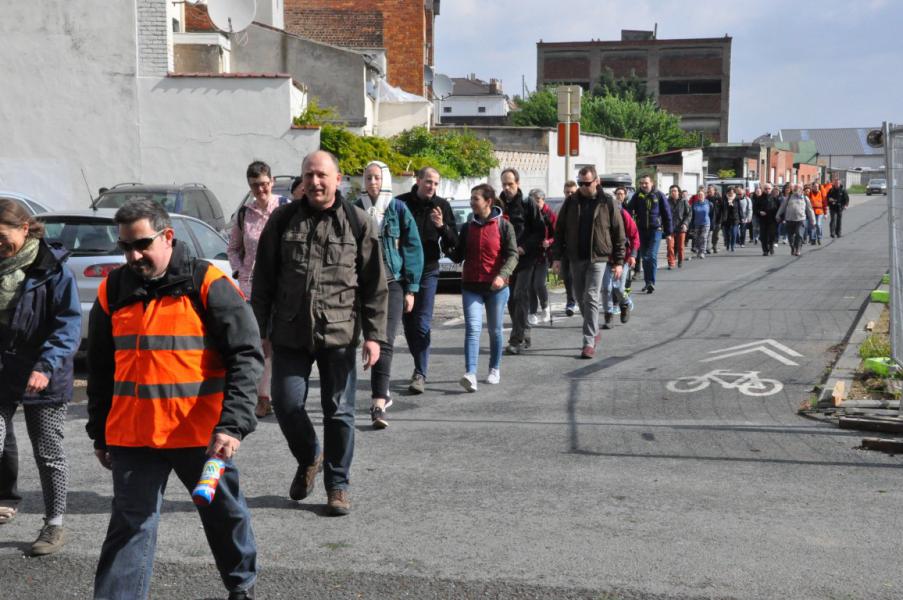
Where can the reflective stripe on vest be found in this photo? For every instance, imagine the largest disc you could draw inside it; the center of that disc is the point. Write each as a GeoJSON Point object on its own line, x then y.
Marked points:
{"type": "Point", "coordinates": [169, 379]}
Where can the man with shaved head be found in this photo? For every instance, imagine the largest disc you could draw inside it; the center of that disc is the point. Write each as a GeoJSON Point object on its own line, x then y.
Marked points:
{"type": "Point", "coordinates": [318, 284]}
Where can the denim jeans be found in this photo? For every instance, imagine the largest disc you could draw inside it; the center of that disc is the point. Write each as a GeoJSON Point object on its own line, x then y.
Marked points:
{"type": "Point", "coordinates": [613, 290]}
{"type": "Point", "coordinates": [817, 228]}
{"type": "Point", "coordinates": [139, 480]}
{"type": "Point", "coordinates": [473, 324]}
{"type": "Point", "coordinates": [338, 378]}
{"type": "Point", "coordinates": [417, 322]}
{"type": "Point", "coordinates": [382, 370]}
{"type": "Point", "coordinates": [649, 242]}
{"type": "Point", "coordinates": [731, 232]}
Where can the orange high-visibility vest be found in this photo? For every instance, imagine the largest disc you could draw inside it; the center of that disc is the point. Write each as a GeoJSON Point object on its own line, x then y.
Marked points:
{"type": "Point", "coordinates": [168, 382]}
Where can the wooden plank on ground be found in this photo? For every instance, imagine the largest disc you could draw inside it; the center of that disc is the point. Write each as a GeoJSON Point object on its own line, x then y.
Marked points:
{"type": "Point", "coordinates": [883, 445]}
{"type": "Point", "coordinates": [883, 425]}
{"type": "Point", "coordinates": [839, 392]}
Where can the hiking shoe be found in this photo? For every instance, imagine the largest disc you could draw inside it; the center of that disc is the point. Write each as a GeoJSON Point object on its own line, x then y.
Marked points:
{"type": "Point", "coordinates": [469, 382]}
{"type": "Point", "coordinates": [338, 502]}
{"type": "Point", "coordinates": [607, 324]}
{"type": "Point", "coordinates": [588, 352]}
{"type": "Point", "coordinates": [378, 417]}
{"type": "Point", "coordinates": [264, 407]}
{"type": "Point", "coordinates": [50, 540]}
{"type": "Point", "coordinates": [247, 594]}
{"type": "Point", "coordinates": [625, 313]}
{"type": "Point", "coordinates": [418, 384]}
{"type": "Point", "coordinates": [570, 306]}
{"type": "Point", "coordinates": [305, 476]}
{"type": "Point", "coordinates": [494, 377]}
{"type": "Point", "coordinates": [650, 288]}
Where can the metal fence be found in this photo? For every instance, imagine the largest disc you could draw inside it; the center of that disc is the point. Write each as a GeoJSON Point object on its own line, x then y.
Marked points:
{"type": "Point", "coordinates": [893, 147]}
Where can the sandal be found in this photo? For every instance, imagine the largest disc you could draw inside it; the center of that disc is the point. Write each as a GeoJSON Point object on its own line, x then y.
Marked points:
{"type": "Point", "coordinates": [7, 513]}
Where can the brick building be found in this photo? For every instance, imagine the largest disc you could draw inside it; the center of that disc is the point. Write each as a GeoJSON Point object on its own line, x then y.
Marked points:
{"type": "Point", "coordinates": [687, 77]}
{"type": "Point", "coordinates": [404, 28]}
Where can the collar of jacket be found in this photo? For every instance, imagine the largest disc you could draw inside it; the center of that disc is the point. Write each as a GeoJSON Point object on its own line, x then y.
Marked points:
{"type": "Point", "coordinates": [177, 273]}
{"type": "Point", "coordinates": [505, 198]}
{"type": "Point", "coordinates": [49, 257]}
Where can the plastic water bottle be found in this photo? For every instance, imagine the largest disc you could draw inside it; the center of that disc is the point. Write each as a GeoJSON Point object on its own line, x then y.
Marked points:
{"type": "Point", "coordinates": [206, 488]}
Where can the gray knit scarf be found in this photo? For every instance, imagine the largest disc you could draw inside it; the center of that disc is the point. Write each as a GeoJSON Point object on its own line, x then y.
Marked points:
{"type": "Point", "coordinates": [12, 277]}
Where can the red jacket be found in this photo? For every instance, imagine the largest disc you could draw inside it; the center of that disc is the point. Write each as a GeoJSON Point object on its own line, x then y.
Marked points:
{"type": "Point", "coordinates": [631, 233]}
{"type": "Point", "coordinates": [549, 218]}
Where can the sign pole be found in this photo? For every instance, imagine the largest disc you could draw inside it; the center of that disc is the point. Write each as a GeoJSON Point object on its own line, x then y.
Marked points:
{"type": "Point", "coordinates": [567, 141]}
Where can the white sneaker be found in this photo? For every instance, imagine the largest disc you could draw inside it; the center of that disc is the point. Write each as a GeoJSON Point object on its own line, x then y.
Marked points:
{"type": "Point", "coordinates": [469, 382]}
{"type": "Point", "coordinates": [494, 377]}
{"type": "Point", "coordinates": [533, 319]}
{"type": "Point", "coordinates": [546, 314]}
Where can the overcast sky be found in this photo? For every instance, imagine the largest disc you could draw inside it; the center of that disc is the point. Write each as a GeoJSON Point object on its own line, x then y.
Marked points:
{"type": "Point", "coordinates": [795, 64]}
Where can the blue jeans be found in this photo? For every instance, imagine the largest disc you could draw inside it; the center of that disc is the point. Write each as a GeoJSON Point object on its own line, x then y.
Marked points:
{"type": "Point", "coordinates": [815, 230]}
{"type": "Point", "coordinates": [417, 322]}
{"type": "Point", "coordinates": [649, 242]}
{"type": "Point", "coordinates": [731, 233]}
{"type": "Point", "coordinates": [613, 290]}
{"type": "Point", "coordinates": [139, 480]}
{"type": "Point", "coordinates": [473, 325]}
{"type": "Point", "coordinates": [338, 379]}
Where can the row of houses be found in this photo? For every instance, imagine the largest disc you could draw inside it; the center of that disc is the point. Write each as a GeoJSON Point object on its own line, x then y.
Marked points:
{"type": "Point", "coordinates": [789, 156]}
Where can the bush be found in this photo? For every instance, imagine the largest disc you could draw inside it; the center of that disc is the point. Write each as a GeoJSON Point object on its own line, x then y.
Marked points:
{"type": "Point", "coordinates": [876, 345]}
{"type": "Point", "coordinates": [453, 154]}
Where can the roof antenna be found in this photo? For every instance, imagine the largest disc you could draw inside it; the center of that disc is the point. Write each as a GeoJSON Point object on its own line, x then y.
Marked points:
{"type": "Point", "coordinates": [655, 32]}
{"type": "Point", "coordinates": [90, 197]}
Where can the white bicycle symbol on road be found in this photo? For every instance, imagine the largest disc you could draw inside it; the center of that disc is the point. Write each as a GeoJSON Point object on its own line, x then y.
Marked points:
{"type": "Point", "coordinates": [746, 382]}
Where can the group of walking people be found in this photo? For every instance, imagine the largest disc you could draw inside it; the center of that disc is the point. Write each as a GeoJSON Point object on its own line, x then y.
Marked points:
{"type": "Point", "coordinates": [793, 214]}
{"type": "Point", "coordinates": [182, 361]}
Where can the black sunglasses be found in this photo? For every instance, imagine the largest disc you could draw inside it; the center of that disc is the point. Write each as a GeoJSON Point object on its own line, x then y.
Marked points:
{"type": "Point", "coordinates": [141, 244]}
{"type": "Point", "coordinates": [586, 183]}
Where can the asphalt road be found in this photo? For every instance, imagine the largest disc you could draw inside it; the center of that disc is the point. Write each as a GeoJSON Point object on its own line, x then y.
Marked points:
{"type": "Point", "coordinates": [571, 479]}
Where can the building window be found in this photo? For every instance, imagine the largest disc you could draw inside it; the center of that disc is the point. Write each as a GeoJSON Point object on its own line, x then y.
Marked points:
{"type": "Point", "coordinates": [446, 109]}
{"type": "Point", "coordinates": [692, 86]}
{"type": "Point", "coordinates": [481, 109]}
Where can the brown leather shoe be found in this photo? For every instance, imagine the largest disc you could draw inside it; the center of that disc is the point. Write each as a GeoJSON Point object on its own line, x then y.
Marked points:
{"type": "Point", "coordinates": [338, 502]}
{"type": "Point", "coordinates": [264, 407]}
{"type": "Point", "coordinates": [305, 477]}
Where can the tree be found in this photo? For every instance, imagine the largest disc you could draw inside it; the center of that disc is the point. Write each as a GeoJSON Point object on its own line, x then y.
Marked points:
{"type": "Point", "coordinates": [628, 88]}
{"type": "Point", "coordinates": [726, 173]}
{"type": "Point", "coordinates": [654, 129]}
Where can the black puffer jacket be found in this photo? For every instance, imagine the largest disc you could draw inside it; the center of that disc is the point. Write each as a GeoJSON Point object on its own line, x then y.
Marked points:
{"type": "Point", "coordinates": [435, 241]}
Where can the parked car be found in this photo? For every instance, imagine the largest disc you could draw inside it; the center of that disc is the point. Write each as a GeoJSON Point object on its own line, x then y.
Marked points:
{"type": "Point", "coordinates": [876, 186]}
{"type": "Point", "coordinates": [191, 199]}
{"type": "Point", "coordinates": [91, 236]}
{"type": "Point", "coordinates": [29, 204]}
{"type": "Point", "coordinates": [449, 271]}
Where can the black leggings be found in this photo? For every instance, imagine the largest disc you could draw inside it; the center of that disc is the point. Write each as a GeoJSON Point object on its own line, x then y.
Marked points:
{"type": "Point", "coordinates": [382, 370]}
{"type": "Point", "coordinates": [540, 296]}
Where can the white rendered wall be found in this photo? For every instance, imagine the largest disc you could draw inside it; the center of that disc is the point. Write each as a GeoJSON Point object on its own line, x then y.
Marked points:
{"type": "Point", "coordinates": [68, 99]}
{"type": "Point", "coordinates": [72, 101]}
{"type": "Point", "coordinates": [468, 106]}
{"type": "Point", "coordinates": [395, 117]}
{"type": "Point", "coordinates": [209, 129]}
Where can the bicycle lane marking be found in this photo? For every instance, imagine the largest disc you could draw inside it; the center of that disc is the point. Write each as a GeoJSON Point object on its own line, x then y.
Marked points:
{"type": "Point", "coordinates": [746, 382]}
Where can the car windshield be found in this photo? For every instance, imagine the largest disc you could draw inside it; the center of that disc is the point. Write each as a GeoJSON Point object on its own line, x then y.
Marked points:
{"type": "Point", "coordinates": [878, 182]}
{"type": "Point", "coordinates": [82, 236]}
{"type": "Point", "coordinates": [462, 215]}
{"type": "Point", "coordinates": [115, 199]}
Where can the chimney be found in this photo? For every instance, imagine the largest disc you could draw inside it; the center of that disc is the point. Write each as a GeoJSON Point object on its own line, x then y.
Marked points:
{"type": "Point", "coordinates": [495, 87]}
{"type": "Point", "coordinates": [472, 76]}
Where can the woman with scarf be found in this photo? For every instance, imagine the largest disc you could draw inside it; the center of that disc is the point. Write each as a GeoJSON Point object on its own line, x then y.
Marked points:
{"type": "Point", "coordinates": [40, 330]}
{"type": "Point", "coordinates": [402, 255]}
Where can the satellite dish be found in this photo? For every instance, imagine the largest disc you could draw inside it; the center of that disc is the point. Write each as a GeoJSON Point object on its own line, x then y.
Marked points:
{"type": "Point", "coordinates": [442, 85]}
{"type": "Point", "coordinates": [230, 16]}
{"type": "Point", "coordinates": [875, 138]}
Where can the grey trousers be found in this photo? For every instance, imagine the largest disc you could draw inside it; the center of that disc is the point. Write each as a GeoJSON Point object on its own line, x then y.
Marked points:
{"type": "Point", "coordinates": [700, 239]}
{"type": "Point", "coordinates": [586, 279]}
{"type": "Point", "coordinates": [519, 304]}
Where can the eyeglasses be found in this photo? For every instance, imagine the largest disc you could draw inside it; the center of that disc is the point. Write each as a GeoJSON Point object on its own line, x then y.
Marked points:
{"type": "Point", "coordinates": [260, 184]}
{"type": "Point", "coordinates": [141, 244]}
{"type": "Point", "coordinates": [586, 183]}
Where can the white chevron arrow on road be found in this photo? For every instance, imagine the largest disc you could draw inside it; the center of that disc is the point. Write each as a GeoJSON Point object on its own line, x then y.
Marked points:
{"type": "Point", "coordinates": [757, 346]}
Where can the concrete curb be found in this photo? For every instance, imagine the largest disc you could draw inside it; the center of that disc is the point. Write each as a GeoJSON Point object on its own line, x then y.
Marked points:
{"type": "Point", "coordinates": [848, 363]}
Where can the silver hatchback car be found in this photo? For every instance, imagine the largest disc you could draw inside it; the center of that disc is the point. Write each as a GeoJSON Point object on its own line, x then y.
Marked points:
{"type": "Point", "coordinates": [91, 236]}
